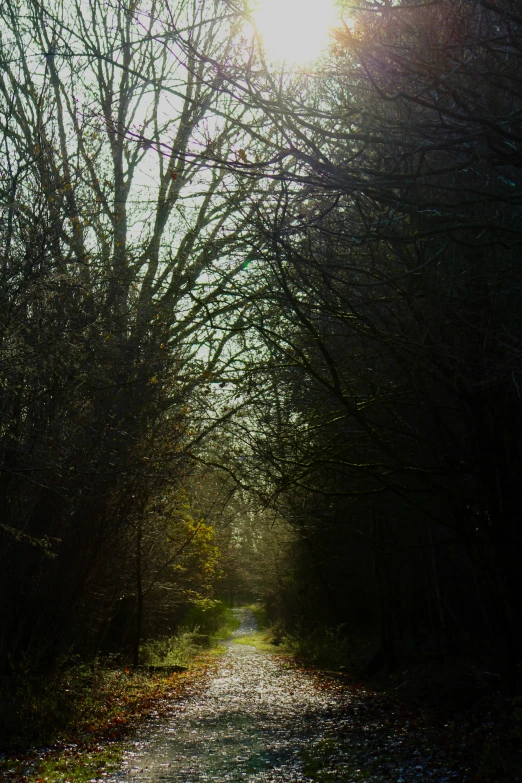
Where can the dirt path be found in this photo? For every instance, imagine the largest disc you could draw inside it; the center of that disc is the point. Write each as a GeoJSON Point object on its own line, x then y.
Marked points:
{"type": "Point", "coordinates": [262, 720]}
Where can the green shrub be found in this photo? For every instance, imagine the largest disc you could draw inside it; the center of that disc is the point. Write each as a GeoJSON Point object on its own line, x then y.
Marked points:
{"type": "Point", "coordinates": [214, 618]}
{"type": "Point", "coordinates": [171, 650]}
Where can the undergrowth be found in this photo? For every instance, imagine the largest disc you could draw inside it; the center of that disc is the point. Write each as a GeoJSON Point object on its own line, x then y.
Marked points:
{"type": "Point", "coordinates": [203, 628]}
{"type": "Point", "coordinates": [217, 620]}
{"type": "Point", "coordinates": [68, 725]}
{"type": "Point", "coordinates": [175, 650]}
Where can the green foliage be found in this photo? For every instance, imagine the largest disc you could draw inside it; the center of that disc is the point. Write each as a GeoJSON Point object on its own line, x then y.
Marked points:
{"type": "Point", "coordinates": [175, 650]}
{"type": "Point", "coordinates": [204, 625]}
{"type": "Point", "coordinates": [214, 618]}
{"type": "Point", "coordinates": [97, 368]}
{"type": "Point", "coordinates": [77, 717]}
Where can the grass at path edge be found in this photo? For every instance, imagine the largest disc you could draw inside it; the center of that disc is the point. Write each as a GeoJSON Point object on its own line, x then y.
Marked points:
{"type": "Point", "coordinates": [72, 727]}
{"type": "Point", "coordinates": [261, 641]}
{"type": "Point", "coordinates": [93, 743]}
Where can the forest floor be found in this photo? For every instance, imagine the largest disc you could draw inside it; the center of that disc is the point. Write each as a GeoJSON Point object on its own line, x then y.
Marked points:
{"type": "Point", "coordinates": [251, 715]}
{"type": "Point", "coordinates": [87, 743]}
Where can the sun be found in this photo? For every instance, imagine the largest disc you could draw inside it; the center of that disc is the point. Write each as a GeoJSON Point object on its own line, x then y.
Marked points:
{"type": "Point", "coordinates": [295, 31]}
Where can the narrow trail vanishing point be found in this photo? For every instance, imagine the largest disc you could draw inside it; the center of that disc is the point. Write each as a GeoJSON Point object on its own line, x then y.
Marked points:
{"type": "Point", "coordinates": [263, 721]}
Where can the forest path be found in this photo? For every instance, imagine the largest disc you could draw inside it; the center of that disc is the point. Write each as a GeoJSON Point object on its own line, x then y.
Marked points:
{"type": "Point", "coordinates": [263, 720]}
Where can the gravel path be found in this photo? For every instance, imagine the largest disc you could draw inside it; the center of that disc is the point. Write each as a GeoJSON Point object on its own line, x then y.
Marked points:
{"type": "Point", "coordinates": [262, 720]}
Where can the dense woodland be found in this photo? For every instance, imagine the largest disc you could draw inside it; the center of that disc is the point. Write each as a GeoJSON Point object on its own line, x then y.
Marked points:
{"type": "Point", "coordinates": [260, 329]}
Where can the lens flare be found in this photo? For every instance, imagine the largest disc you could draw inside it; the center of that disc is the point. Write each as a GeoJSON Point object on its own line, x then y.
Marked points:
{"type": "Point", "coordinates": [295, 31]}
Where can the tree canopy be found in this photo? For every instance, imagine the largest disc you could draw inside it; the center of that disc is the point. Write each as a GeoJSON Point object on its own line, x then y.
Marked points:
{"type": "Point", "coordinates": [241, 297]}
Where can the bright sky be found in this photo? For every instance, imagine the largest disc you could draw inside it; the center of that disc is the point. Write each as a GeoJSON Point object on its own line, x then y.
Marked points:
{"type": "Point", "coordinates": [294, 30]}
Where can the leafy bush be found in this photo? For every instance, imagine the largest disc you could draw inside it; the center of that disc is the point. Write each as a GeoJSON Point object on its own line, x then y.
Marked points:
{"type": "Point", "coordinates": [204, 624]}
{"type": "Point", "coordinates": [214, 618]}
{"type": "Point", "coordinates": [171, 650]}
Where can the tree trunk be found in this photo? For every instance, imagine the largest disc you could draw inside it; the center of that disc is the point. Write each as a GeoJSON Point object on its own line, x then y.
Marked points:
{"type": "Point", "coordinates": [384, 585]}
{"type": "Point", "coordinates": [139, 598]}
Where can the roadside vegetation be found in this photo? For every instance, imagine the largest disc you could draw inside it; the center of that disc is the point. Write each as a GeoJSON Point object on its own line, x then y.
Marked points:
{"type": "Point", "coordinates": [434, 693]}
{"type": "Point", "coordinates": [260, 338]}
{"type": "Point", "coordinates": [69, 724]}
{"type": "Point", "coordinates": [266, 638]}
{"type": "Point", "coordinates": [261, 641]}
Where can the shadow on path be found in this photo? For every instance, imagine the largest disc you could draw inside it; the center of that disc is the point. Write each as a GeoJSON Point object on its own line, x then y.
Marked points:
{"type": "Point", "coordinates": [263, 720]}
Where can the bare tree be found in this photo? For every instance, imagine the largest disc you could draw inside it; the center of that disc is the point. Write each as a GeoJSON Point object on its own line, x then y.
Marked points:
{"type": "Point", "coordinates": [120, 246]}
{"type": "Point", "coordinates": [391, 323]}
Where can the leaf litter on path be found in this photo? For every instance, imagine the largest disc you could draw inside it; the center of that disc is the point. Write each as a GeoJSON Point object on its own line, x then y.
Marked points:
{"type": "Point", "coordinates": [263, 719]}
